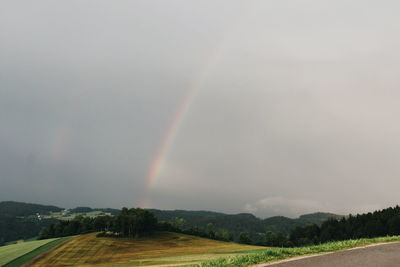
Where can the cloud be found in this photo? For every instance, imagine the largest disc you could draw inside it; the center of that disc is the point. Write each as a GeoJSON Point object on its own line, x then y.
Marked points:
{"type": "Point", "coordinates": [298, 114]}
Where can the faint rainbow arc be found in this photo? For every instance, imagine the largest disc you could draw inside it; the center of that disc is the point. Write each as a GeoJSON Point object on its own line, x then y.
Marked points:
{"type": "Point", "coordinates": [177, 120]}
{"type": "Point", "coordinates": [159, 160]}
{"type": "Point", "coordinates": [180, 114]}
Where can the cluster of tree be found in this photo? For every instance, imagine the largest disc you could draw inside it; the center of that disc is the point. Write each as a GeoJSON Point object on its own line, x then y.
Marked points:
{"type": "Point", "coordinates": [16, 228]}
{"type": "Point", "coordinates": [128, 223]}
{"type": "Point", "coordinates": [379, 223]}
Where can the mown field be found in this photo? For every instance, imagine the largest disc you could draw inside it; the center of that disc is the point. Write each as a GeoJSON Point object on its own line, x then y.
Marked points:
{"type": "Point", "coordinates": [162, 249]}
{"type": "Point", "coordinates": [11, 252]}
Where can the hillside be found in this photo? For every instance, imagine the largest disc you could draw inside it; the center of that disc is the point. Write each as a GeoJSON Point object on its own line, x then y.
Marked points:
{"type": "Point", "coordinates": [162, 249]}
{"type": "Point", "coordinates": [242, 222]}
{"type": "Point", "coordinates": [13, 208]}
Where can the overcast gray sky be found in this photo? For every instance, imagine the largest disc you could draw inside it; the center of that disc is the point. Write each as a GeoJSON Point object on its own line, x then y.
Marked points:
{"type": "Point", "coordinates": [296, 109]}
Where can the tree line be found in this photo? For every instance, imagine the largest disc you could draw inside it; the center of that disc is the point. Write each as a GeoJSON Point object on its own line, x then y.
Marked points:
{"type": "Point", "coordinates": [379, 223]}
{"type": "Point", "coordinates": [133, 222]}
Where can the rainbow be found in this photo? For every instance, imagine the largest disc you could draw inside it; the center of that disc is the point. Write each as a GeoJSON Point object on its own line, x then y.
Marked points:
{"type": "Point", "coordinates": [167, 141]}
{"type": "Point", "coordinates": [158, 162]}
{"type": "Point", "coordinates": [156, 166]}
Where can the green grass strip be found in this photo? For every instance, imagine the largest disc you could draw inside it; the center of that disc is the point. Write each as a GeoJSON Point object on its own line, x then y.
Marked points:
{"type": "Point", "coordinates": [13, 251]}
{"type": "Point", "coordinates": [32, 254]}
{"type": "Point", "coordinates": [274, 254]}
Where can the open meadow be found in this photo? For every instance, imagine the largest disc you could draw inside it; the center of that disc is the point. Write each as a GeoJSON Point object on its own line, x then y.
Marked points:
{"type": "Point", "coordinates": [163, 249]}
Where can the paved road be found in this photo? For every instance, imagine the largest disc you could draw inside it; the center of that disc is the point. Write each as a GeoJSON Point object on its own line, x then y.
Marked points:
{"type": "Point", "coordinates": [385, 255]}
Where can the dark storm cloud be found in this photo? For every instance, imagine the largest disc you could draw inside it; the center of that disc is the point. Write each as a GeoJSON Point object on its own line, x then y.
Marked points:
{"type": "Point", "coordinates": [297, 112]}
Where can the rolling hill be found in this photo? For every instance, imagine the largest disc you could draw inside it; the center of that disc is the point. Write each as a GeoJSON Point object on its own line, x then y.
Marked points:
{"type": "Point", "coordinates": [13, 208]}
{"type": "Point", "coordinates": [162, 249]}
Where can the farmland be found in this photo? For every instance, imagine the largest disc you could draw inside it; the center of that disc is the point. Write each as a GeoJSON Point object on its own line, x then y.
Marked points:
{"type": "Point", "coordinates": [171, 249]}
{"type": "Point", "coordinates": [11, 252]}
{"type": "Point", "coordinates": [163, 249]}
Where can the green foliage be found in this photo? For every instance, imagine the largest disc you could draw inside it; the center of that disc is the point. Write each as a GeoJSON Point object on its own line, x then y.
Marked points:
{"type": "Point", "coordinates": [179, 223]}
{"type": "Point", "coordinates": [379, 223]}
{"type": "Point", "coordinates": [244, 238]}
{"type": "Point", "coordinates": [135, 222]}
{"type": "Point", "coordinates": [179, 226]}
{"type": "Point", "coordinates": [16, 228]}
{"type": "Point", "coordinates": [275, 240]}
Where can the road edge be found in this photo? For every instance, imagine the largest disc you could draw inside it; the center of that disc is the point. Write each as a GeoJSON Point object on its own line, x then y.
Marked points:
{"type": "Point", "coordinates": [320, 254]}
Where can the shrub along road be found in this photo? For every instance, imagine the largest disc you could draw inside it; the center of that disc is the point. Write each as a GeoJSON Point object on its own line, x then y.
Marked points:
{"type": "Point", "coordinates": [382, 255]}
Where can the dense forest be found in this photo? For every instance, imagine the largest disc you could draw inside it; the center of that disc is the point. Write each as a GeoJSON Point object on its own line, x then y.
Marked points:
{"type": "Point", "coordinates": [379, 223]}
{"type": "Point", "coordinates": [16, 228]}
{"type": "Point", "coordinates": [19, 221]}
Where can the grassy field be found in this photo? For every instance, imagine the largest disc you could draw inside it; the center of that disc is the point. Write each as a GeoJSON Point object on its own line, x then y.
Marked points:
{"type": "Point", "coordinates": [274, 254]}
{"type": "Point", "coordinates": [162, 249]}
{"type": "Point", "coordinates": [11, 252]}
{"type": "Point", "coordinates": [34, 253]}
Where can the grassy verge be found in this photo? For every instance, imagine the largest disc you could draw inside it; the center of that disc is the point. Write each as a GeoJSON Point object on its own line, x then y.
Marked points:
{"type": "Point", "coordinates": [32, 254]}
{"type": "Point", "coordinates": [274, 254]}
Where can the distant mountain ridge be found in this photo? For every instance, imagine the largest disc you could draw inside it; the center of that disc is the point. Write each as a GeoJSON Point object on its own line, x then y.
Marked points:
{"type": "Point", "coordinates": [14, 208]}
